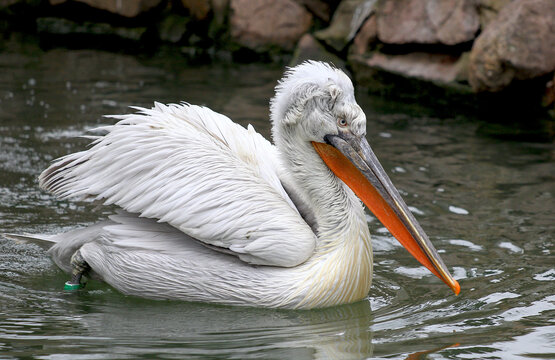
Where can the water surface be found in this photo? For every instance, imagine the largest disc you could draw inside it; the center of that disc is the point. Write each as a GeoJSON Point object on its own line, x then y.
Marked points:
{"type": "Point", "coordinates": [487, 204]}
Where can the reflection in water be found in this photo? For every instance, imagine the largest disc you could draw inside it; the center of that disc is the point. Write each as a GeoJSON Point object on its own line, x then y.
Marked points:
{"type": "Point", "coordinates": [103, 322]}
{"type": "Point", "coordinates": [335, 333]}
{"type": "Point", "coordinates": [486, 204]}
{"type": "Point", "coordinates": [420, 355]}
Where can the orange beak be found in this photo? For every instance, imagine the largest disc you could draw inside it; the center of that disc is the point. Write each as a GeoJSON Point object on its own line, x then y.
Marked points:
{"type": "Point", "coordinates": [352, 160]}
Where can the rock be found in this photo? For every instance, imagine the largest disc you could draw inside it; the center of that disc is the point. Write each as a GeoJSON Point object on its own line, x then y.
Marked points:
{"type": "Point", "coordinates": [58, 26]}
{"type": "Point", "coordinates": [319, 8]}
{"type": "Point", "coordinates": [27, 4]}
{"type": "Point", "coordinates": [7, 3]}
{"type": "Point", "coordinates": [489, 9]}
{"type": "Point", "coordinates": [259, 25]}
{"type": "Point", "coordinates": [518, 44]}
{"type": "Point", "coordinates": [549, 95]}
{"type": "Point", "coordinates": [309, 48]}
{"type": "Point", "coordinates": [172, 28]}
{"type": "Point", "coordinates": [548, 100]}
{"type": "Point", "coordinates": [199, 9]}
{"type": "Point", "coordinates": [346, 21]}
{"type": "Point", "coordinates": [219, 8]}
{"type": "Point", "coordinates": [438, 68]}
{"type": "Point", "coordinates": [127, 8]}
{"type": "Point", "coordinates": [367, 34]}
{"type": "Point", "coordinates": [447, 22]}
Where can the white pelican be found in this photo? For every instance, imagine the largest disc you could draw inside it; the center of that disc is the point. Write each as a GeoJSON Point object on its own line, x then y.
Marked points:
{"type": "Point", "coordinates": [213, 212]}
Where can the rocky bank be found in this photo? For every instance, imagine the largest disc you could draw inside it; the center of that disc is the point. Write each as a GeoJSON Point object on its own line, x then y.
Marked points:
{"type": "Point", "coordinates": [495, 56]}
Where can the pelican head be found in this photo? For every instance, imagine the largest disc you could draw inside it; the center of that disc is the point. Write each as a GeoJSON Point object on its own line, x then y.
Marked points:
{"type": "Point", "coordinates": [315, 100]}
{"type": "Point", "coordinates": [314, 108]}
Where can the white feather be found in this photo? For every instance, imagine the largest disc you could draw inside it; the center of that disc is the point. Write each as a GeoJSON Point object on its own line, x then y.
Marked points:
{"type": "Point", "coordinates": [196, 170]}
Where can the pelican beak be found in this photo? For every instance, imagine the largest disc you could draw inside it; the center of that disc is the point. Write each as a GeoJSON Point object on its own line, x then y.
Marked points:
{"type": "Point", "coordinates": [353, 161]}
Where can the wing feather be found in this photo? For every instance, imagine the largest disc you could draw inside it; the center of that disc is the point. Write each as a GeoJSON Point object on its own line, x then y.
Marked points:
{"type": "Point", "coordinates": [196, 170]}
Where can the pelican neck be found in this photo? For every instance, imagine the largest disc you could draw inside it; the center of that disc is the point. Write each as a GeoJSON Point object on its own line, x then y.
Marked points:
{"type": "Point", "coordinates": [336, 209]}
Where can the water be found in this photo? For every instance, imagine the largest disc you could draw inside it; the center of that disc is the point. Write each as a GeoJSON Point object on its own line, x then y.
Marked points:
{"type": "Point", "coordinates": [486, 203]}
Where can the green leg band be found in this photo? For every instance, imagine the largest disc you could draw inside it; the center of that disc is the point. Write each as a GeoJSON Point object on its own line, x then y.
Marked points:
{"type": "Point", "coordinates": [80, 268]}
{"type": "Point", "coordinates": [73, 287]}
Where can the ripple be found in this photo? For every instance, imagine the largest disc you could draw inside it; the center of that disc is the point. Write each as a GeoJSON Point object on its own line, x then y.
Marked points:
{"type": "Point", "coordinates": [548, 275]}
{"type": "Point", "coordinates": [459, 273]}
{"type": "Point", "coordinates": [416, 210]}
{"type": "Point", "coordinates": [414, 273]}
{"type": "Point", "coordinates": [465, 243]}
{"type": "Point", "coordinates": [497, 297]}
{"type": "Point", "coordinates": [59, 134]}
{"type": "Point", "coordinates": [110, 103]}
{"type": "Point", "coordinates": [384, 243]}
{"type": "Point", "coordinates": [539, 343]}
{"type": "Point", "coordinates": [534, 309]}
{"type": "Point", "coordinates": [511, 247]}
{"type": "Point", "coordinates": [458, 210]}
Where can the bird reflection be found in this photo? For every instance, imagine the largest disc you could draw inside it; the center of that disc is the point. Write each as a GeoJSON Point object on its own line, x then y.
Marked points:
{"type": "Point", "coordinates": [185, 329]}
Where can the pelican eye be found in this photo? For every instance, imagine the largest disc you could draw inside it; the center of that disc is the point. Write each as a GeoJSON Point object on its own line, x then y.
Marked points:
{"type": "Point", "coordinates": [342, 122]}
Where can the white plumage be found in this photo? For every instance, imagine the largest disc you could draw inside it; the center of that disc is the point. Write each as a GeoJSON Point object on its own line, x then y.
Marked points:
{"type": "Point", "coordinates": [199, 172]}
{"type": "Point", "coordinates": [213, 212]}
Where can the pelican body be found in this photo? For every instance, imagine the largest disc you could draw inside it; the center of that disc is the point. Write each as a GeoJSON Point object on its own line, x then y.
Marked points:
{"type": "Point", "coordinates": [213, 212]}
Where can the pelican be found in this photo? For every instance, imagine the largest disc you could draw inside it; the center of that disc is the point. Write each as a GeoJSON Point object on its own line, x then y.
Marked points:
{"type": "Point", "coordinates": [212, 212]}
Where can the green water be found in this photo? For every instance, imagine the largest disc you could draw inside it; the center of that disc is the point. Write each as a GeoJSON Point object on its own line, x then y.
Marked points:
{"type": "Point", "coordinates": [486, 203]}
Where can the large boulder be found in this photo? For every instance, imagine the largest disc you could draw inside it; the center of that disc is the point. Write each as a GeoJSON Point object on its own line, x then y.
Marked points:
{"type": "Point", "coordinates": [261, 24]}
{"type": "Point", "coordinates": [447, 22]}
{"type": "Point", "coordinates": [518, 44]}
{"type": "Point", "coordinates": [127, 8]}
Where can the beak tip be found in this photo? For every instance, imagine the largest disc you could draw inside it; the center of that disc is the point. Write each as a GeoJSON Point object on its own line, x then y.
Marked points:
{"type": "Point", "coordinates": [456, 287]}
